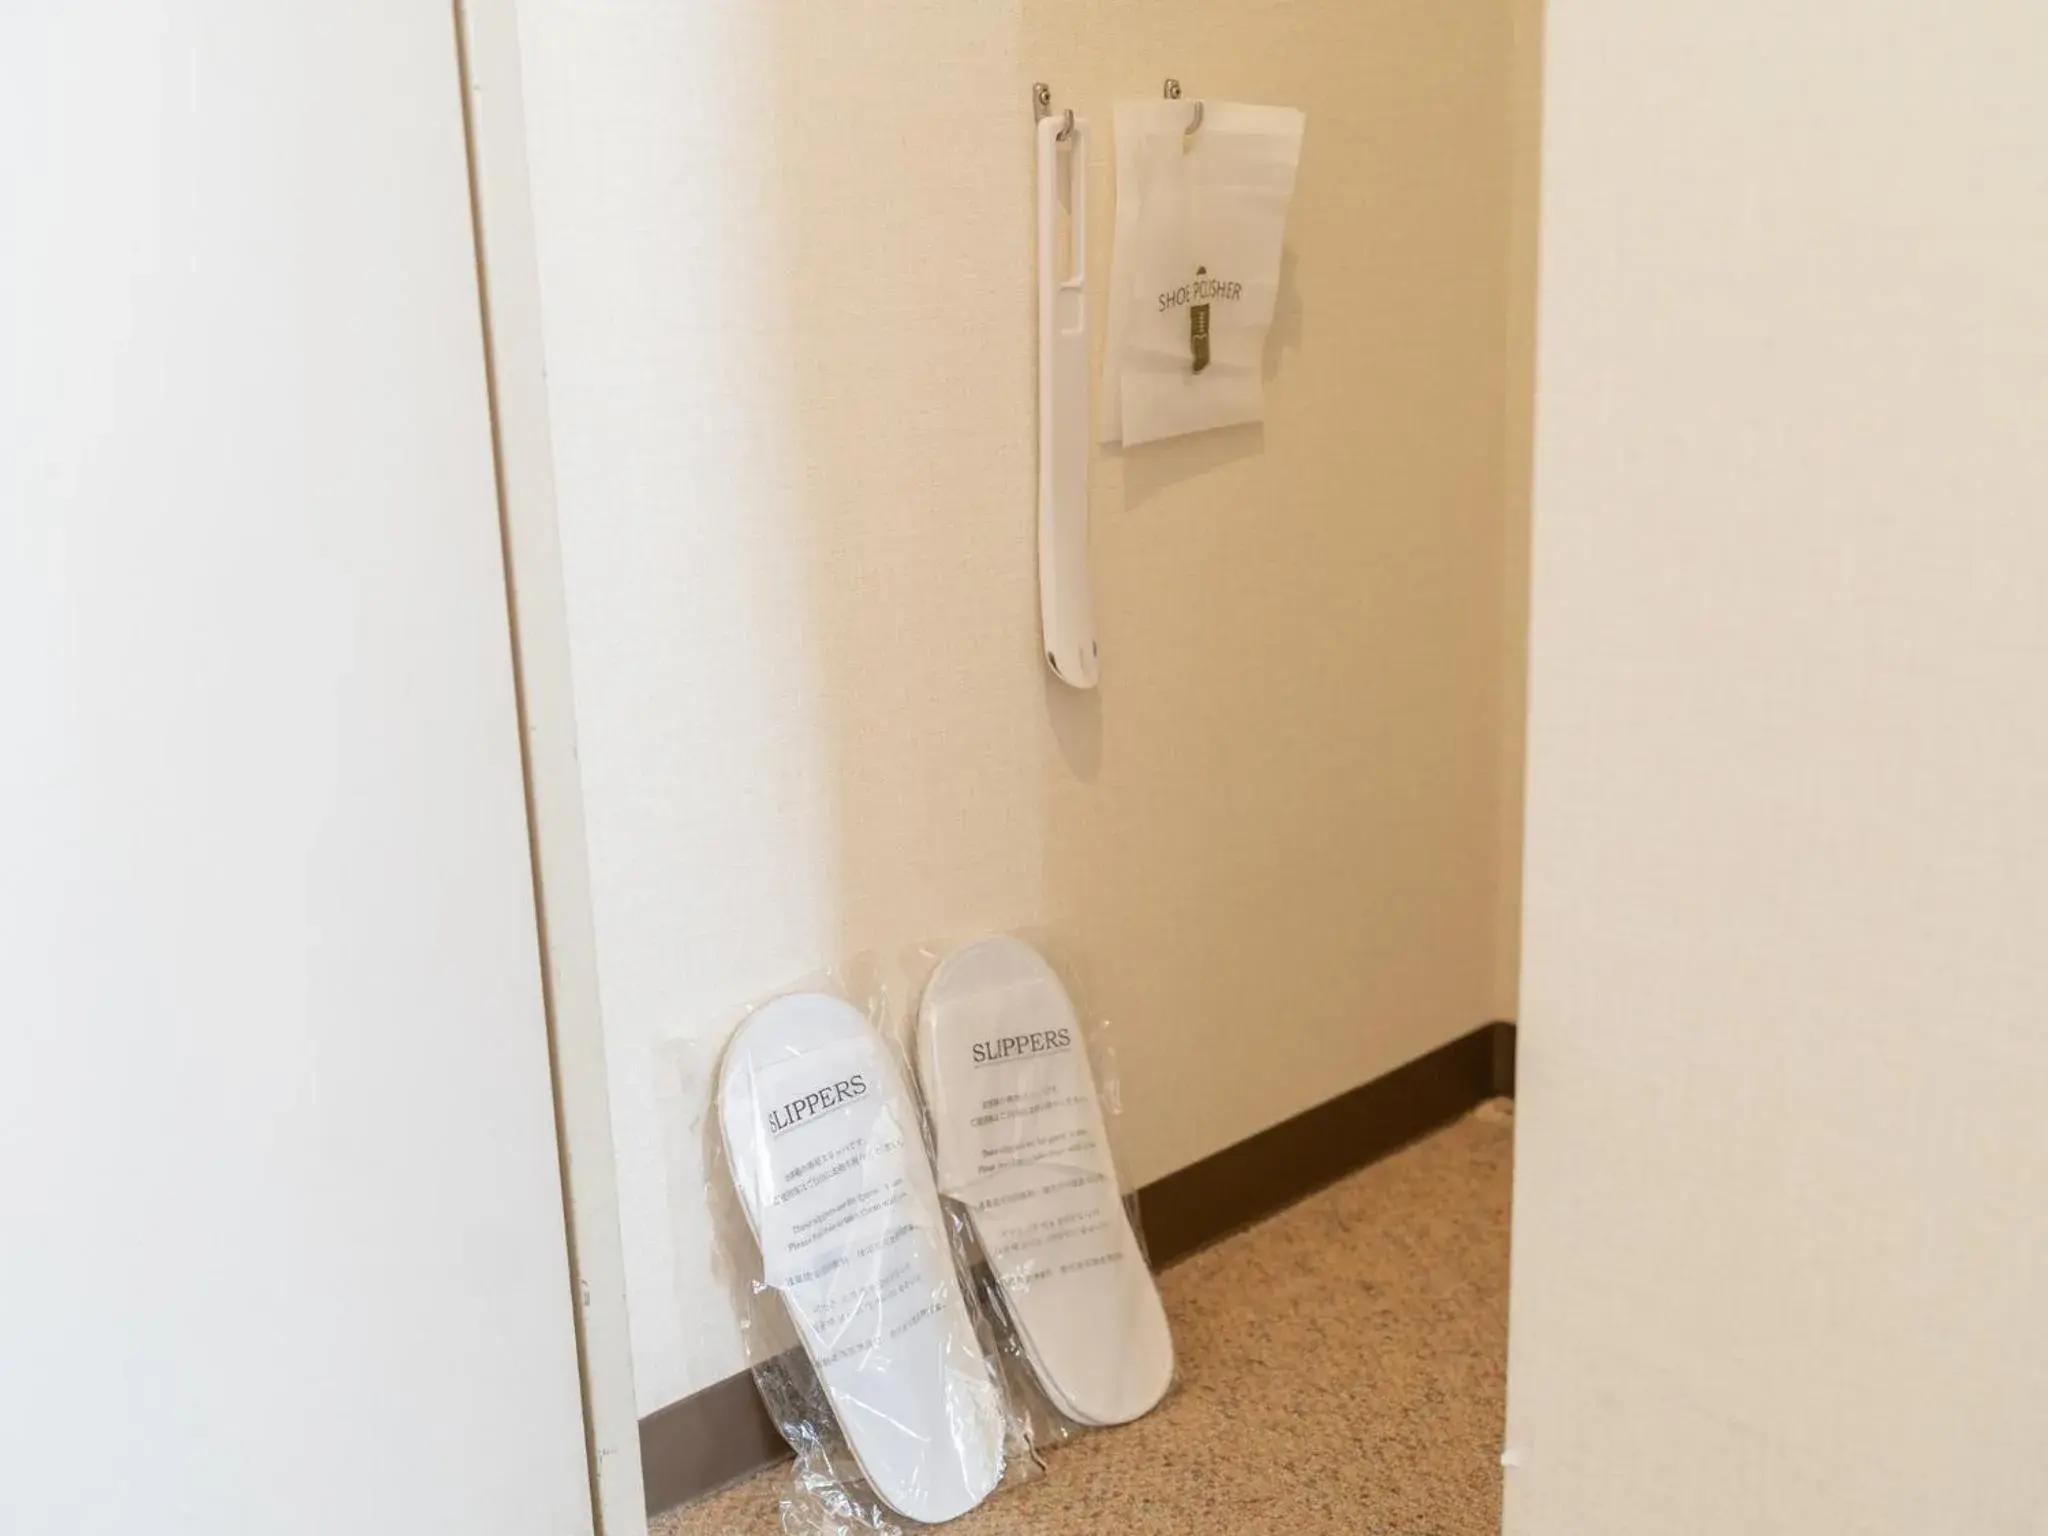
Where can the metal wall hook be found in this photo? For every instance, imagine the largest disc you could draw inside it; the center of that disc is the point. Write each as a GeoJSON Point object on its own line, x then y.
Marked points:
{"type": "Point", "coordinates": [1173, 94]}
{"type": "Point", "coordinates": [1041, 108]}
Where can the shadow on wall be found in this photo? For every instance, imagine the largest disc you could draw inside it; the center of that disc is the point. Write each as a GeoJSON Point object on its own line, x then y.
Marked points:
{"type": "Point", "coordinates": [1272, 837]}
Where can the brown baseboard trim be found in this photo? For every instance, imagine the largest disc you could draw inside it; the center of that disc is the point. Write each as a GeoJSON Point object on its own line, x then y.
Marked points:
{"type": "Point", "coordinates": [1266, 1173]}
{"type": "Point", "coordinates": [710, 1438]}
{"type": "Point", "coordinates": [717, 1436]}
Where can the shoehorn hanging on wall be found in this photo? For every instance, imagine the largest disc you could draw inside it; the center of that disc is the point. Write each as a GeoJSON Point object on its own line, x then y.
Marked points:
{"type": "Point", "coordinates": [1066, 601]}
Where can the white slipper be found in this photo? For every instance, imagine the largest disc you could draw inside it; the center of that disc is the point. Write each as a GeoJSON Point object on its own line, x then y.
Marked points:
{"type": "Point", "coordinates": [823, 1141]}
{"type": "Point", "coordinates": [1021, 1144]}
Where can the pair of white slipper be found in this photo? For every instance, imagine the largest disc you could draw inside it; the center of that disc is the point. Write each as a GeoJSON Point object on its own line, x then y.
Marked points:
{"type": "Point", "coordinates": [824, 1144]}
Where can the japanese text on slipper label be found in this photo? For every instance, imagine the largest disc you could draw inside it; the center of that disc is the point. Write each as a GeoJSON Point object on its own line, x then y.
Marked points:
{"type": "Point", "coordinates": [842, 1192]}
{"type": "Point", "coordinates": [1018, 1097]}
{"type": "Point", "coordinates": [1048, 1223]}
{"type": "Point", "coordinates": [1033, 1161]}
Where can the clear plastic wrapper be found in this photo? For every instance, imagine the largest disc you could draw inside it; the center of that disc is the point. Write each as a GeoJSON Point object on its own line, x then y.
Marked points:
{"type": "Point", "coordinates": [1021, 1089]}
{"type": "Point", "coordinates": [873, 1357]}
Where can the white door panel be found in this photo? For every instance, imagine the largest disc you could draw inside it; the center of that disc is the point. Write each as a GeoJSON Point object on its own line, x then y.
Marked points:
{"type": "Point", "coordinates": [279, 1196]}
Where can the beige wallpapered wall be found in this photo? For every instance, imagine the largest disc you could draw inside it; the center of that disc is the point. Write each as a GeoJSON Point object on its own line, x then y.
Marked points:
{"type": "Point", "coordinates": [1780, 1251]}
{"type": "Point", "coordinates": [785, 260]}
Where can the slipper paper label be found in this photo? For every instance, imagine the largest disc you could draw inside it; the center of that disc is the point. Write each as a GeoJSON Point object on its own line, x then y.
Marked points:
{"type": "Point", "coordinates": [843, 1233]}
{"type": "Point", "coordinates": [1033, 1161]}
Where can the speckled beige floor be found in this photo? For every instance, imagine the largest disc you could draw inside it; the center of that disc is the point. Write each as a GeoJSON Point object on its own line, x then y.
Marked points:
{"type": "Point", "coordinates": [1342, 1368]}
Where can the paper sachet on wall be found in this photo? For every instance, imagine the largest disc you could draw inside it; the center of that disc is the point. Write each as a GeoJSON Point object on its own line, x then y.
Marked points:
{"type": "Point", "coordinates": [1200, 218]}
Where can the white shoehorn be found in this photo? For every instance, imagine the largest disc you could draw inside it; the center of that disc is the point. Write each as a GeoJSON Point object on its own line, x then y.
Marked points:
{"type": "Point", "coordinates": [1066, 598]}
{"type": "Point", "coordinates": [825, 1150]}
{"type": "Point", "coordinates": [1021, 1144]}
